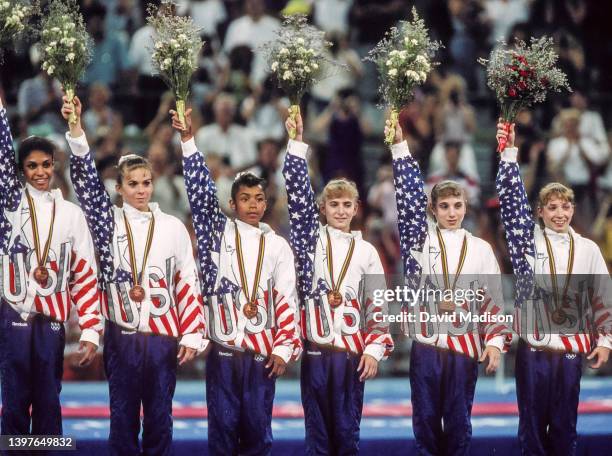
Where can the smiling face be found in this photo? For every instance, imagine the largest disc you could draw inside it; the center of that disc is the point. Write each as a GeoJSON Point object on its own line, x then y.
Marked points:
{"type": "Point", "coordinates": [450, 212]}
{"type": "Point", "coordinates": [249, 204]}
{"type": "Point", "coordinates": [136, 188]}
{"type": "Point", "coordinates": [38, 169]}
{"type": "Point", "coordinates": [339, 212]}
{"type": "Point", "coordinates": [557, 214]}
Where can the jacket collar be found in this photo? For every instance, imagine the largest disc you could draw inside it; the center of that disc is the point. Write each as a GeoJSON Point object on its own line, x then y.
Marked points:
{"type": "Point", "coordinates": [247, 229]}
{"type": "Point", "coordinates": [49, 195]}
{"type": "Point", "coordinates": [135, 214]}
{"type": "Point", "coordinates": [335, 233]}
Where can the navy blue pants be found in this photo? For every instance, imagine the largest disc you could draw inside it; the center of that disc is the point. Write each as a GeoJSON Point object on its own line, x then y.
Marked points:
{"type": "Point", "coordinates": [239, 396]}
{"type": "Point", "coordinates": [547, 391]}
{"type": "Point", "coordinates": [141, 369]}
{"type": "Point", "coordinates": [31, 368]}
{"type": "Point", "coordinates": [442, 384]}
{"type": "Point", "coordinates": [332, 397]}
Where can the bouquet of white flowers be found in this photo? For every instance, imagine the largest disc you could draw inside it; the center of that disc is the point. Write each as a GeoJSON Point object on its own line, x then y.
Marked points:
{"type": "Point", "coordinates": [404, 59]}
{"type": "Point", "coordinates": [66, 47]}
{"type": "Point", "coordinates": [14, 17]}
{"type": "Point", "coordinates": [295, 58]}
{"type": "Point", "coordinates": [176, 45]}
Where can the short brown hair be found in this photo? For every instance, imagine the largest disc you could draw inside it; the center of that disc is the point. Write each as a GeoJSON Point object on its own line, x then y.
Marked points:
{"type": "Point", "coordinates": [337, 188]}
{"type": "Point", "coordinates": [445, 189]}
{"type": "Point", "coordinates": [555, 189]}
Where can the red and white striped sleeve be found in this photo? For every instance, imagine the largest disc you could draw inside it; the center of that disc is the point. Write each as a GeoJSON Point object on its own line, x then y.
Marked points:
{"type": "Point", "coordinates": [492, 332]}
{"type": "Point", "coordinates": [287, 343]}
{"type": "Point", "coordinates": [378, 342]}
{"type": "Point", "coordinates": [84, 290]}
{"type": "Point", "coordinates": [187, 293]}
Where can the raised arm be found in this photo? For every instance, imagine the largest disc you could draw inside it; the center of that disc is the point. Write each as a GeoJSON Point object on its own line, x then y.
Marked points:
{"type": "Point", "coordinates": [9, 181]}
{"type": "Point", "coordinates": [208, 220]}
{"type": "Point", "coordinates": [303, 211]}
{"type": "Point", "coordinates": [90, 190]}
{"type": "Point", "coordinates": [515, 210]}
{"type": "Point", "coordinates": [411, 203]}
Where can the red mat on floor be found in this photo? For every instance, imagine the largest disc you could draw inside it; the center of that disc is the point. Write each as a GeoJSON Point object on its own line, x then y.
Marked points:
{"type": "Point", "coordinates": [369, 411]}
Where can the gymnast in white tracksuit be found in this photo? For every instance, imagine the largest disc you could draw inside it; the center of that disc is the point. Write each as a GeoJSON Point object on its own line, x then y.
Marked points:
{"type": "Point", "coordinates": [151, 296]}
{"type": "Point", "coordinates": [563, 311]}
{"type": "Point", "coordinates": [344, 328]}
{"type": "Point", "coordinates": [444, 257]}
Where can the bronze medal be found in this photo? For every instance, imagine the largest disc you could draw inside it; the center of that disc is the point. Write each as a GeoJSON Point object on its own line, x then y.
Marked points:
{"type": "Point", "coordinates": [250, 310]}
{"type": "Point", "coordinates": [447, 306]}
{"type": "Point", "coordinates": [334, 298]}
{"type": "Point", "coordinates": [559, 316]}
{"type": "Point", "coordinates": [41, 274]}
{"type": "Point", "coordinates": [137, 293]}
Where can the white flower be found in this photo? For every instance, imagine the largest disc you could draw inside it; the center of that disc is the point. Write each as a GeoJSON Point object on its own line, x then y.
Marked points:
{"type": "Point", "coordinates": [274, 66]}
{"type": "Point", "coordinates": [159, 45]}
{"type": "Point", "coordinates": [414, 42]}
{"type": "Point", "coordinates": [55, 29]}
{"type": "Point", "coordinates": [423, 75]}
{"type": "Point", "coordinates": [311, 51]}
{"type": "Point", "coordinates": [413, 75]}
{"type": "Point", "coordinates": [48, 49]}
{"type": "Point", "coordinates": [307, 69]}
{"type": "Point", "coordinates": [167, 62]}
{"type": "Point", "coordinates": [173, 42]}
{"type": "Point", "coordinates": [389, 62]}
{"type": "Point", "coordinates": [287, 75]}
{"type": "Point", "coordinates": [393, 72]}
{"type": "Point", "coordinates": [53, 43]}
{"type": "Point", "coordinates": [50, 70]}
{"type": "Point", "coordinates": [70, 57]}
{"type": "Point", "coordinates": [300, 41]}
{"type": "Point", "coordinates": [283, 51]}
{"type": "Point", "coordinates": [45, 65]}
{"type": "Point", "coordinates": [421, 59]}
{"type": "Point", "coordinates": [315, 66]}
{"type": "Point", "coordinates": [183, 37]}
{"type": "Point", "coordinates": [5, 5]}
{"type": "Point", "coordinates": [403, 55]}
{"type": "Point", "coordinates": [394, 52]}
{"type": "Point", "coordinates": [299, 62]}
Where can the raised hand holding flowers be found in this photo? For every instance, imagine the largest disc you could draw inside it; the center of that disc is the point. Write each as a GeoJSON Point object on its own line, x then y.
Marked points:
{"type": "Point", "coordinates": [295, 58]}
{"type": "Point", "coordinates": [522, 77]}
{"type": "Point", "coordinates": [176, 45]}
{"type": "Point", "coordinates": [404, 59]}
{"type": "Point", "coordinates": [66, 47]}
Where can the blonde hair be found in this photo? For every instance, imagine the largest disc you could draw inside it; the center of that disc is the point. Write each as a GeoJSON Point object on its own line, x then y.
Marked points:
{"type": "Point", "coordinates": [129, 163]}
{"type": "Point", "coordinates": [555, 189]}
{"type": "Point", "coordinates": [445, 189]}
{"type": "Point", "coordinates": [337, 188]}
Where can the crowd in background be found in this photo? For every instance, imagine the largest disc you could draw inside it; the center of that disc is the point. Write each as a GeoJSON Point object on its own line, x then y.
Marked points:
{"type": "Point", "coordinates": [238, 110]}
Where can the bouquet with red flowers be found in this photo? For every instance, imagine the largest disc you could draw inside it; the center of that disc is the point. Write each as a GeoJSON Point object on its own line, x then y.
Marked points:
{"type": "Point", "coordinates": [523, 76]}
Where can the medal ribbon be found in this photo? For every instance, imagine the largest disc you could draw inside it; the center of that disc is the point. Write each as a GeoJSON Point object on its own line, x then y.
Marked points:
{"type": "Point", "coordinates": [130, 239]}
{"type": "Point", "coordinates": [553, 268]}
{"type": "Point", "coordinates": [42, 258]}
{"type": "Point", "coordinates": [345, 265]}
{"type": "Point", "coordinates": [462, 257]}
{"type": "Point", "coordinates": [260, 256]}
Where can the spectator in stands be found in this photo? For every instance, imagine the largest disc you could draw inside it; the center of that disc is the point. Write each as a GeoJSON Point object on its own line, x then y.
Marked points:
{"type": "Point", "coordinates": [39, 98]}
{"type": "Point", "coordinates": [264, 111]}
{"type": "Point", "coordinates": [100, 120]}
{"type": "Point", "coordinates": [575, 159]}
{"type": "Point", "coordinates": [207, 15]}
{"type": "Point", "coordinates": [123, 18]}
{"type": "Point", "coordinates": [225, 137]}
{"type": "Point", "coordinates": [109, 57]}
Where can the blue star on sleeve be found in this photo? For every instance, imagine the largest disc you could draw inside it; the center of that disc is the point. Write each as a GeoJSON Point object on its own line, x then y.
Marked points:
{"type": "Point", "coordinates": [98, 209]}
{"type": "Point", "coordinates": [208, 220]}
{"type": "Point", "coordinates": [411, 210]}
{"type": "Point", "coordinates": [303, 220]}
{"type": "Point", "coordinates": [9, 182]}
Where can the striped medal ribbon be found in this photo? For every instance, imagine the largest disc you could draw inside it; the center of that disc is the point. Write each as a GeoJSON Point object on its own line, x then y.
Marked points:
{"type": "Point", "coordinates": [250, 308]}
{"type": "Point", "coordinates": [41, 274]}
{"type": "Point", "coordinates": [445, 272]}
{"type": "Point", "coordinates": [334, 297]}
{"type": "Point", "coordinates": [137, 293]}
{"type": "Point", "coordinates": [559, 315]}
